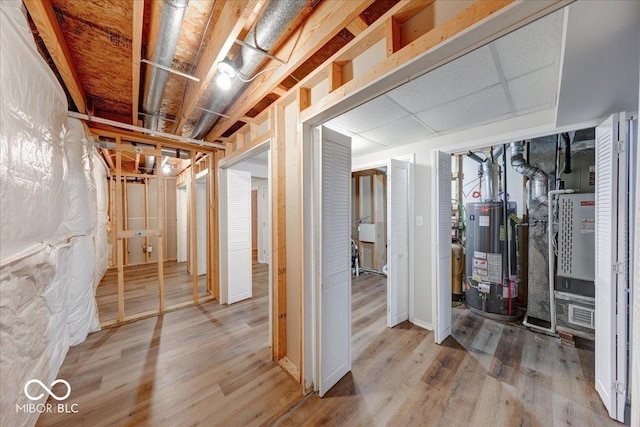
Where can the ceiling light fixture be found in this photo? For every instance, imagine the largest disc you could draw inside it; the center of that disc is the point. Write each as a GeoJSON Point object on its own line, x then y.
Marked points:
{"type": "Point", "coordinates": [223, 81]}
{"type": "Point", "coordinates": [227, 67]}
{"type": "Point", "coordinates": [166, 168]}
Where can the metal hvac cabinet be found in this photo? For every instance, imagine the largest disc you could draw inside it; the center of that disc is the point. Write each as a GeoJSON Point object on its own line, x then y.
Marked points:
{"type": "Point", "coordinates": [575, 274]}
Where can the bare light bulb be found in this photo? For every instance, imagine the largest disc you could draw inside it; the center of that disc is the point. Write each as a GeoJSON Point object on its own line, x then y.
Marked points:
{"type": "Point", "coordinates": [166, 168]}
{"type": "Point", "coordinates": [223, 81]}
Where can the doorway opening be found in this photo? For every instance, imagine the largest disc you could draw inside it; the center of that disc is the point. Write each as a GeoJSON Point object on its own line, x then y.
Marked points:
{"type": "Point", "coordinates": [245, 229]}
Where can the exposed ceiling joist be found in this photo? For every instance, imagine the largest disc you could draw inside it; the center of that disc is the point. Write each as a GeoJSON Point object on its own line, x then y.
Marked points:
{"type": "Point", "coordinates": [136, 46]}
{"type": "Point", "coordinates": [107, 157]}
{"type": "Point", "coordinates": [228, 27]}
{"type": "Point", "coordinates": [325, 21]}
{"type": "Point", "coordinates": [44, 17]}
{"type": "Point", "coordinates": [357, 26]}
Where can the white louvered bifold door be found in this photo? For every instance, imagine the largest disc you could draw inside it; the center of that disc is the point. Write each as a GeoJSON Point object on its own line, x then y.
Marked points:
{"type": "Point", "coordinates": [238, 235]}
{"type": "Point", "coordinates": [398, 242]}
{"type": "Point", "coordinates": [607, 136]}
{"type": "Point", "coordinates": [442, 163]}
{"type": "Point", "coordinates": [335, 263]}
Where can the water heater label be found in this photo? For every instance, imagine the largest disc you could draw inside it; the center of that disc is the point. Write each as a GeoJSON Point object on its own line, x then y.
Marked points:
{"type": "Point", "coordinates": [494, 264]}
{"type": "Point", "coordinates": [483, 221]}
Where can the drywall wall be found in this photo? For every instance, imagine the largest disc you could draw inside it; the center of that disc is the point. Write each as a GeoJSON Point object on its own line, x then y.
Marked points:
{"type": "Point", "coordinates": [52, 222]}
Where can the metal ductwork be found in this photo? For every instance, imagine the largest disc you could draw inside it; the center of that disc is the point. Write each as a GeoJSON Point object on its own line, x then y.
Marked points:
{"type": "Point", "coordinates": [537, 177]}
{"type": "Point", "coordinates": [274, 21]}
{"type": "Point", "coordinates": [487, 179]}
{"type": "Point", "coordinates": [486, 172]}
{"type": "Point", "coordinates": [148, 163]}
{"type": "Point", "coordinates": [155, 80]}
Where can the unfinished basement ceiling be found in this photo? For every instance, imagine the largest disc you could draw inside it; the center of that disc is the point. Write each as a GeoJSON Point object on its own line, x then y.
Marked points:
{"type": "Point", "coordinates": [94, 41]}
{"type": "Point", "coordinates": [512, 76]}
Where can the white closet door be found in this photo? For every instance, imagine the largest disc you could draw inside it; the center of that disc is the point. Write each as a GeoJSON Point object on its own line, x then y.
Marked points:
{"type": "Point", "coordinates": [238, 232]}
{"type": "Point", "coordinates": [398, 242]}
{"type": "Point", "coordinates": [335, 263]}
{"type": "Point", "coordinates": [442, 162]}
{"type": "Point", "coordinates": [609, 382]}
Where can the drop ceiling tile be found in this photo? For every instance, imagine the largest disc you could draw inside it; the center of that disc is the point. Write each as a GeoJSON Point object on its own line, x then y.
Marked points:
{"type": "Point", "coordinates": [377, 112]}
{"type": "Point", "coordinates": [361, 146]}
{"type": "Point", "coordinates": [535, 90]}
{"type": "Point", "coordinates": [467, 74]}
{"type": "Point", "coordinates": [531, 47]}
{"type": "Point", "coordinates": [403, 131]}
{"type": "Point", "coordinates": [482, 107]}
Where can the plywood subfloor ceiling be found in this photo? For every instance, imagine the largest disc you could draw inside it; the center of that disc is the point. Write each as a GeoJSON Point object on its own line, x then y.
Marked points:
{"type": "Point", "coordinates": [97, 39]}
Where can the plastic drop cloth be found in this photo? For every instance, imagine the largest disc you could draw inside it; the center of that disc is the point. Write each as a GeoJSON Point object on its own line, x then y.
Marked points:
{"type": "Point", "coordinates": [53, 221]}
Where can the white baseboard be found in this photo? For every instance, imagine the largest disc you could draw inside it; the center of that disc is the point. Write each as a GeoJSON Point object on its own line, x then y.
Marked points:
{"type": "Point", "coordinates": [424, 325]}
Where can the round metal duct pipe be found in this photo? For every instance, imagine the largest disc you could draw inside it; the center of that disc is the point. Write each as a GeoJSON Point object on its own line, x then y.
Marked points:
{"type": "Point", "coordinates": [155, 80]}
{"type": "Point", "coordinates": [274, 21]}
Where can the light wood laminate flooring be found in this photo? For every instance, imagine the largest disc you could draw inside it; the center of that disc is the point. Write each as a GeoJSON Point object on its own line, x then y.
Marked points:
{"type": "Point", "coordinates": [209, 365]}
{"type": "Point", "coordinates": [141, 292]}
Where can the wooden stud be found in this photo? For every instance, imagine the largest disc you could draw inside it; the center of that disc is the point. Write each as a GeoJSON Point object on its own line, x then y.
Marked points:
{"type": "Point", "coordinates": [322, 24]}
{"type": "Point", "coordinates": [161, 203]}
{"type": "Point", "coordinates": [335, 76]}
{"type": "Point", "coordinates": [146, 218]}
{"type": "Point", "coordinates": [136, 51]}
{"type": "Point", "coordinates": [118, 220]}
{"type": "Point", "coordinates": [357, 26]}
{"type": "Point", "coordinates": [279, 237]}
{"type": "Point", "coordinates": [227, 29]}
{"type": "Point", "coordinates": [125, 220]}
{"type": "Point", "coordinates": [304, 98]}
{"type": "Point", "coordinates": [44, 18]}
{"type": "Point", "coordinates": [392, 29]}
{"type": "Point", "coordinates": [194, 226]}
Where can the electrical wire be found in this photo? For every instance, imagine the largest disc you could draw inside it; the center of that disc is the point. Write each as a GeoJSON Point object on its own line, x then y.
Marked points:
{"type": "Point", "coordinates": [245, 79]}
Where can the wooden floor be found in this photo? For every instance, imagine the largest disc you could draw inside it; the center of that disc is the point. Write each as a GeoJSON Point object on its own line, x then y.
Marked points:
{"type": "Point", "coordinates": [141, 289]}
{"type": "Point", "coordinates": [206, 364]}
{"type": "Point", "coordinates": [209, 365]}
{"type": "Point", "coordinates": [486, 374]}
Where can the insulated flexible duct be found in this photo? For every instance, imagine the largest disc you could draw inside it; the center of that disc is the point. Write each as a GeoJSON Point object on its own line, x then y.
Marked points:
{"type": "Point", "coordinates": [275, 19]}
{"type": "Point", "coordinates": [537, 176]}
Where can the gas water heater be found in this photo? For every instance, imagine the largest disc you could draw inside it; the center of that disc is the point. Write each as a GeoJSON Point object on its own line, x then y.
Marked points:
{"type": "Point", "coordinates": [491, 288]}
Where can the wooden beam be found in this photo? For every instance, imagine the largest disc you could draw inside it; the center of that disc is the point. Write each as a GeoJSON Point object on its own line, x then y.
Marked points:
{"type": "Point", "coordinates": [119, 241]}
{"type": "Point", "coordinates": [108, 159]}
{"type": "Point", "coordinates": [44, 17]}
{"type": "Point", "coordinates": [335, 76]}
{"type": "Point", "coordinates": [279, 236]}
{"type": "Point", "coordinates": [280, 91]}
{"type": "Point", "coordinates": [481, 22]}
{"type": "Point", "coordinates": [125, 135]}
{"type": "Point", "coordinates": [232, 18]}
{"type": "Point", "coordinates": [137, 165]}
{"type": "Point", "coordinates": [160, 184]}
{"type": "Point", "coordinates": [329, 18]}
{"type": "Point", "coordinates": [357, 26]}
{"type": "Point", "coordinates": [392, 28]}
{"type": "Point", "coordinates": [136, 51]}
{"type": "Point", "coordinates": [194, 225]}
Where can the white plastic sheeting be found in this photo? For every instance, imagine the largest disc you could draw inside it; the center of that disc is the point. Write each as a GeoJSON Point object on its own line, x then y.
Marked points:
{"type": "Point", "coordinates": [53, 223]}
